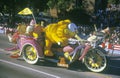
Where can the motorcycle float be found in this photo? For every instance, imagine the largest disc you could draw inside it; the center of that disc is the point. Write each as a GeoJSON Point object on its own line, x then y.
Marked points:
{"type": "Point", "coordinates": [93, 57]}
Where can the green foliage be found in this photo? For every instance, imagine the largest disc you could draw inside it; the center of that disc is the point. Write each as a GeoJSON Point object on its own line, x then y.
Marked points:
{"type": "Point", "coordinates": [59, 4]}
{"type": "Point", "coordinates": [72, 9]}
{"type": "Point", "coordinates": [52, 3]}
{"type": "Point", "coordinates": [114, 1]}
{"type": "Point", "coordinates": [111, 1]}
{"type": "Point", "coordinates": [79, 16]}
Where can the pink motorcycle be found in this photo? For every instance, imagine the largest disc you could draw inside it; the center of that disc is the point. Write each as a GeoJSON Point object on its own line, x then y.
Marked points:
{"type": "Point", "coordinates": [93, 57]}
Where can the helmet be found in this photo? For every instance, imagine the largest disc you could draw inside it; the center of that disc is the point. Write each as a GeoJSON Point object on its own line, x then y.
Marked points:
{"type": "Point", "coordinates": [72, 27]}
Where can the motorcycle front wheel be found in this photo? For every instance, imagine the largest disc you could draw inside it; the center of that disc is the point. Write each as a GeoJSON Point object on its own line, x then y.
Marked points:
{"type": "Point", "coordinates": [95, 60]}
{"type": "Point", "coordinates": [30, 54]}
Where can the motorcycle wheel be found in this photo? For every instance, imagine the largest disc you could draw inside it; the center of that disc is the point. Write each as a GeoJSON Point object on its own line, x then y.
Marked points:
{"type": "Point", "coordinates": [30, 54]}
{"type": "Point", "coordinates": [95, 60]}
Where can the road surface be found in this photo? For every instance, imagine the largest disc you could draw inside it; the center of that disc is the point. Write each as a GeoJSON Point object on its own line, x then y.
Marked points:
{"type": "Point", "coordinates": [18, 68]}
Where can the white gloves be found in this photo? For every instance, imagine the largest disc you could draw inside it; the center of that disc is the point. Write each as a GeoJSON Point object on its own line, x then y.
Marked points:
{"type": "Point", "coordinates": [59, 43]}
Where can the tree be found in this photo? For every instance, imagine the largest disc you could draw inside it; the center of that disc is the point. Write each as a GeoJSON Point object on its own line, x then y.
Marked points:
{"type": "Point", "coordinates": [100, 5]}
{"type": "Point", "coordinates": [114, 1]}
{"type": "Point", "coordinates": [70, 9]}
{"type": "Point", "coordinates": [61, 6]}
{"type": "Point", "coordinates": [11, 8]}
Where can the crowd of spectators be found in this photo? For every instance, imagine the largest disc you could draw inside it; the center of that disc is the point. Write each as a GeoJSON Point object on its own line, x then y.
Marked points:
{"type": "Point", "coordinates": [109, 17]}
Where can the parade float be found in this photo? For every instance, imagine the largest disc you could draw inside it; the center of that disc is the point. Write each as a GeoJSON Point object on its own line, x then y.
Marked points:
{"type": "Point", "coordinates": [60, 44]}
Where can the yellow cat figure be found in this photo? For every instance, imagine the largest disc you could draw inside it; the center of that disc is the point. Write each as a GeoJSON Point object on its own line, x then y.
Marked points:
{"type": "Point", "coordinates": [57, 33]}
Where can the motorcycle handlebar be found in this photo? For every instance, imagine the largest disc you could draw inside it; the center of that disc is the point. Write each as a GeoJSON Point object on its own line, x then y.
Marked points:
{"type": "Point", "coordinates": [80, 42]}
{"type": "Point", "coordinates": [74, 41]}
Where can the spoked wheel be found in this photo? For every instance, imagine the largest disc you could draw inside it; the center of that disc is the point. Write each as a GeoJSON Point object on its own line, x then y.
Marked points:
{"type": "Point", "coordinates": [95, 60]}
{"type": "Point", "coordinates": [30, 54]}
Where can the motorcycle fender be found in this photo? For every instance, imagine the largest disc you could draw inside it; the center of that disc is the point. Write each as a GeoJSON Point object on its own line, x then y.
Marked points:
{"type": "Point", "coordinates": [34, 44]}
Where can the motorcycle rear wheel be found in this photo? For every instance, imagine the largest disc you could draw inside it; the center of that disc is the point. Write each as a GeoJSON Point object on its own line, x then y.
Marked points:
{"type": "Point", "coordinates": [95, 60]}
{"type": "Point", "coordinates": [30, 54]}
